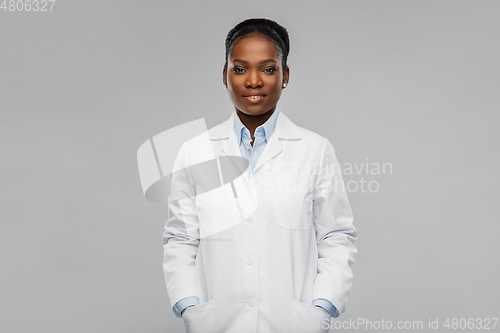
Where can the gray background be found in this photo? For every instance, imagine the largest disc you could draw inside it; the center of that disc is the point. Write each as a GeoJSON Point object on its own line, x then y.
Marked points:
{"type": "Point", "coordinates": [411, 83]}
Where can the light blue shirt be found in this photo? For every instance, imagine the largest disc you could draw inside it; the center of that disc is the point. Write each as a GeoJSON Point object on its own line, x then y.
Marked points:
{"type": "Point", "coordinates": [262, 136]}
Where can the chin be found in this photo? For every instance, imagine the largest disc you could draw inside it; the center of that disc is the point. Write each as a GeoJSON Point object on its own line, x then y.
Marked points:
{"type": "Point", "coordinates": [255, 110]}
{"type": "Point", "coordinates": [255, 113]}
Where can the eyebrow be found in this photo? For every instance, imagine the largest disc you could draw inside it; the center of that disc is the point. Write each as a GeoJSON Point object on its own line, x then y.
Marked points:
{"type": "Point", "coordinates": [263, 61]}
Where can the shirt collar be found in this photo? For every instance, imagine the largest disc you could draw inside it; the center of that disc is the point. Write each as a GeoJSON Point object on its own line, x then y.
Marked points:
{"type": "Point", "coordinates": [268, 127]}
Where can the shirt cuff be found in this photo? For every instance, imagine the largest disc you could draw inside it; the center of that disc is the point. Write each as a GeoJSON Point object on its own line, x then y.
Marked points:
{"type": "Point", "coordinates": [327, 305]}
{"type": "Point", "coordinates": [184, 303]}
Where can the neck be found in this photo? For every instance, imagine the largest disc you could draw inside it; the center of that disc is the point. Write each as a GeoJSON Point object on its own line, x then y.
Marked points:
{"type": "Point", "coordinates": [252, 122]}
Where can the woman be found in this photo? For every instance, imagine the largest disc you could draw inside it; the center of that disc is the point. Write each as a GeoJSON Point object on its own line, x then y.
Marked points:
{"type": "Point", "coordinates": [271, 251]}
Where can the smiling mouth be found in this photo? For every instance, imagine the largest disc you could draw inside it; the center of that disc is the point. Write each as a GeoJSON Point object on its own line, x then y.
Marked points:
{"type": "Point", "coordinates": [262, 95]}
{"type": "Point", "coordinates": [254, 98]}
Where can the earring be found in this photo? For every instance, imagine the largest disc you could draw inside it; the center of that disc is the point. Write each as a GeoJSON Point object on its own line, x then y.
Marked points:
{"type": "Point", "coordinates": [225, 87]}
{"type": "Point", "coordinates": [284, 85]}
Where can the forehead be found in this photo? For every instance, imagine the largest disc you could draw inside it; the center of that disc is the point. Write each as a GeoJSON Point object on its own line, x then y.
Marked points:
{"type": "Point", "coordinates": [254, 46]}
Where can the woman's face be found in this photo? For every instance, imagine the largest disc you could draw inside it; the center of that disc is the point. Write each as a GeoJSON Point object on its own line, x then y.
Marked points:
{"type": "Point", "coordinates": [254, 68]}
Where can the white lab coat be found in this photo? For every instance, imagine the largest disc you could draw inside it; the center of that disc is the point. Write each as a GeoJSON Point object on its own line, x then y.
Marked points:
{"type": "Point", "coordinates": [257, 261]}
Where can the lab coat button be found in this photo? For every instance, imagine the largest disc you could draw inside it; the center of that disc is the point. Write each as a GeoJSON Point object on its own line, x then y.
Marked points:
{"type": "Point", "coordinates": [250, 219]}
{"type": "Point", "coordinates": [256, 180]}
{"type": "Point", "coordinates": [251, 302]}
{"type": "Point", "coordinates": [250, 261]}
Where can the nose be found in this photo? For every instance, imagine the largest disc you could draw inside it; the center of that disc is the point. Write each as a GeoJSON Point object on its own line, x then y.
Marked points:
{"type": "Point", "coordinates": [253, 79]}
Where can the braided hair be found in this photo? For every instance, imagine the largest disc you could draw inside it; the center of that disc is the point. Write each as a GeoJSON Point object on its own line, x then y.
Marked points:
{"type": "Point", "coordinates": [263, 26]}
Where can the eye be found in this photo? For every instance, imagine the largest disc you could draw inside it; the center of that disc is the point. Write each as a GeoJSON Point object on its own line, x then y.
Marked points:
{"type": "Point", "coordinates": [271, 69]}
{"type": "Point", "coordinates": [237, 70]}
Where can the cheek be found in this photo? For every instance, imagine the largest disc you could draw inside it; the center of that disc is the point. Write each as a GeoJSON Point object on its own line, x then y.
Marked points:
{"type": "Point", "coordinates": [276, 88]}
{"type": "Point", "coordinates": [276, 83]}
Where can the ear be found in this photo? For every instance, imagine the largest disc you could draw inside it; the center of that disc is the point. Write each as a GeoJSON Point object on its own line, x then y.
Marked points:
{"type": "Point", "coordinates": [224, 71]}
{"type": "Point", "coordinates": [286, 74]}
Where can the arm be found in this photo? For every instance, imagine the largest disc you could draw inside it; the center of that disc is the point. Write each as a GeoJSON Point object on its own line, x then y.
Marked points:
{"type": "Point", "coordinates": [335, 233]}
{"type": "Point", "coordinates": [181, 237]}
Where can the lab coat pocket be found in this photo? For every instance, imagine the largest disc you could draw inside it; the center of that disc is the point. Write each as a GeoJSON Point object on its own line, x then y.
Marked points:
{"type": "Point", "coordinates": [293, 201]}
{"type": "Point", "coordinates": [310, 318]}
{"type": "Point", "coordinates": [199, 318]}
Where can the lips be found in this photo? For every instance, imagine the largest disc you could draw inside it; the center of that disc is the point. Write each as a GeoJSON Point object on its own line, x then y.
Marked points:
{"type": "Point", "coordinates": [254, 98]}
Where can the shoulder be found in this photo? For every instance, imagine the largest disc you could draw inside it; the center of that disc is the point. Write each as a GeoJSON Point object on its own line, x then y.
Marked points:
{"type": "Point", "coordinates": [308, 136]}
{"type": "Point", "coordinates": [219, 131]}
{"type": "Point", "coordinates": [203, 146]}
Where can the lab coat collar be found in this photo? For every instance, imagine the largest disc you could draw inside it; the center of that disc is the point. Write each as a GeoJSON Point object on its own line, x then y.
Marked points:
{"type": "Point", "coordinates": [285, 129]}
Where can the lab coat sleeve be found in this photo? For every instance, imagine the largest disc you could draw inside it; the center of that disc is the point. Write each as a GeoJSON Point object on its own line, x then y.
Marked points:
{"type": "Point", "coordinates": [335, 232]}
{"type": "Point", "coordinates": [181, 235]}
